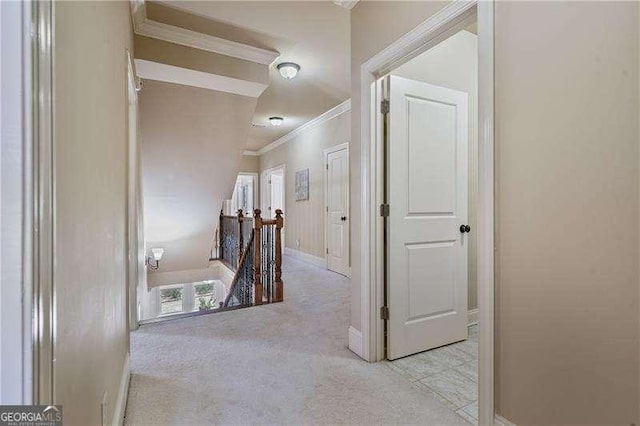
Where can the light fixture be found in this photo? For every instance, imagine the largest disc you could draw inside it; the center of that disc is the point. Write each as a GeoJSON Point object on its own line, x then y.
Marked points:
{"type": "Point", "coordinates": [157, 255]}
{"type": "Point", "coordinates": [276, 121]}
{"type": "Point", "coordinates": [288, 69]}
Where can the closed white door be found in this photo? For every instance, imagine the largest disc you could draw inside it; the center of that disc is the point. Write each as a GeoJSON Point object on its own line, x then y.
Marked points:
{"type": "Point", "coordinates": [427, 197]}
{"type": "Point", "coordinates": [337, 226]}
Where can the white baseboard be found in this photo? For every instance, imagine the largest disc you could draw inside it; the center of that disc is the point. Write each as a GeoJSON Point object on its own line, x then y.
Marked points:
{"type": "Point", "coordinates": [306, 257]}
{"type": "Point", "coordinates": [355, 341]}
{"type": "Point", "coordinates": [123, 393]}
{"type": "Point", "coordinates": [501, 421]}
{"type": "Point", "coordinates": [473, 317]}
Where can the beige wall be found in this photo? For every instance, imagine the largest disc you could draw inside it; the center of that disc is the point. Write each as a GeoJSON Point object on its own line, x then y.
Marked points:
{"type": "Point", "coordinates": [250, 164]}
{"type": "Point", "coordinates": [304, 220]}
{"type": "Point", "coordinates": [192, 142]}
{"type": "Point", "coordinates": [90, 122]}
{"type": "Point", "coordinates": [566, 203]}
{"type": "Point", "coordinates": [454, 64]}
{"type": "Point", "coordinates": [567, 166]}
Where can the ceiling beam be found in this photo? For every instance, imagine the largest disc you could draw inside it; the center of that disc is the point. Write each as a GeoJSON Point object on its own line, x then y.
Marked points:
{"type": "Point", "coordinates": [188, 77]}
{"type": "Point", "coordinates": [182, 36]}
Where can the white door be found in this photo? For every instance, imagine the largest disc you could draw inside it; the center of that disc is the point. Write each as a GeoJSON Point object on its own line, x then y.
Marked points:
{"type": "Point", "coordinates": [272, 191]}
{"type": "Point", "coordinates": [277, 194]}
{"type": "Point", "coordinates": [337, 225]}
{"type": "Point", "coordinates": [427, 197]}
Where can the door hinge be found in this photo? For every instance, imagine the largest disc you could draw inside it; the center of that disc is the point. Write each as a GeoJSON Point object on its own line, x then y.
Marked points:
{"type": "Point", "coordinates": [327, 209]}
{"type": "Point", "coordinates": [384, 312]}
{"type": "Point", "coordinates": [384, 210]}
{"type": "Point", "coordinates": [327, 249]}
{"type": "Point", "coordinates": [384, 106]}
{"type": "Point", "coordinates": [327, 166]}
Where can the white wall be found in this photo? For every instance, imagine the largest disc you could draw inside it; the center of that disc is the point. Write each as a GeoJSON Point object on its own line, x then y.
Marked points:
{"type": "Point", "coordinates": [454, 64]}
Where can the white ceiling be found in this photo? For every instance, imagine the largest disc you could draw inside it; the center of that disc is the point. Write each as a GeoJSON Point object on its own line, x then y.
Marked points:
{"type": "Point", "coordinates": [314, 34]}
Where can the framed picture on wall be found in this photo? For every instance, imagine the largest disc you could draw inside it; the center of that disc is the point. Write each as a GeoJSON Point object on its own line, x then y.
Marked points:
{"type": "Point", "coordinates": [302, 185]}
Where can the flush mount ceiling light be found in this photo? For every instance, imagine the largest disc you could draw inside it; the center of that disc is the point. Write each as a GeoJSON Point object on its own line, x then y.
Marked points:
{"type": "Point", "coordinates": [276, 121]}
{"type": "Point", "coordinates": [288, 69]}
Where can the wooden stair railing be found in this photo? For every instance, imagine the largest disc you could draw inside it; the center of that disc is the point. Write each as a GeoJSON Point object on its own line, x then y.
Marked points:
{"type": "Point", "coordinates": [258, 270]}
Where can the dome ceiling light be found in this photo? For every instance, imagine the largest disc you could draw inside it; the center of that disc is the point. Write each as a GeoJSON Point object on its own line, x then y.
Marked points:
{"type": "Point", "coordinates": [276, 121]}
{"type": "Point", "coordinates": [288, 69]}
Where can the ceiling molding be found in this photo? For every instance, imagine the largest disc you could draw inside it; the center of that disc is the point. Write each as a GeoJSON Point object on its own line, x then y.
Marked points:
{"type": "Point", "coordinates": [322, 118]}
{"type": "Point", "coordinates": [182, 36]}
{"type": "Point", "coordinates": [188, 77]}
{"type": "Point", "coordinates": [347, 4]}
{"type": "Point", "coordinates": [251, 153]}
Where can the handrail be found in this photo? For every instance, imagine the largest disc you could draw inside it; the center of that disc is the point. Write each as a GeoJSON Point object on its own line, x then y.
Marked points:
{"type": "Point", "coordinates": [265, 246]}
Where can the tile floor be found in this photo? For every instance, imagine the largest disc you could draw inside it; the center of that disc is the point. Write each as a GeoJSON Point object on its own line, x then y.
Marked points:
{"type": "Point", "coordinates": [450, 373]}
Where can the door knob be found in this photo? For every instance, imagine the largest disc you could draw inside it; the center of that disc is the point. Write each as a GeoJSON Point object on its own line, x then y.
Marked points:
{"type": "Point", "coordinates": [343, 218]}
{"type": "Point", "coordinates": [465, 228]}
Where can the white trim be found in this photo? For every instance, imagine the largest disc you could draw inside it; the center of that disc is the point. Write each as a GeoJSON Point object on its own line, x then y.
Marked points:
{"type": "Point", "coordinates": [251, 153]}
{"type": "Point", "coordinates": [501, 421]}
{"type": "Point", "coordinates": [473, 317]}
{"type": "Point", "coordinates": [355, 341]}
{"type": "Point", "coordinates": [437, 28]}
{"type": "Point", "coordinates": [188, 77]}
{"type": "Point", "coordinates": [322, 118]}
{"type": "Point", "coordinates": [306, 257]}
{"type": "Point", "coordinates": [347, 4]}
{"type": "Point", "coordinates": [182, 36]}
{"type": "Point", "coordinates": [325, 161]}
{"type": "Point", "coordinates": [123, 393]}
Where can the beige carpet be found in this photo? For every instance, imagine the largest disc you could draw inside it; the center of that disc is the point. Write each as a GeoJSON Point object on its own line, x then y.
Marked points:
{"type": "Point", "coordinates": [285, 363]}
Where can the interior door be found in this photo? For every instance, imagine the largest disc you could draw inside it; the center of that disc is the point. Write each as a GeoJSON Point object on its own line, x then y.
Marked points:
{"type": "Point", "coordinates": [337, 179]}
{"type": "Point", "coordinates": [427, 196]}
{"type": "Point", "coordinates": [277, 193]}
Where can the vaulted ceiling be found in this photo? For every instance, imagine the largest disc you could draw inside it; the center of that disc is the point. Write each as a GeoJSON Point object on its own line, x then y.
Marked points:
{"type": "Point", "coordinates": [313, 34]}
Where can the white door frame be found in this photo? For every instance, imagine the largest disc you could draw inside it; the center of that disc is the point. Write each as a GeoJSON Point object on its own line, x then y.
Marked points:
{"type": "Point", "coordinates": [133, 195]}
{"type": "Point", "coordinates": [263, 200]}
{"type": "Point", "coordinates": [325, 160]}
{"type": "Point", "coordinates": [437, 28]}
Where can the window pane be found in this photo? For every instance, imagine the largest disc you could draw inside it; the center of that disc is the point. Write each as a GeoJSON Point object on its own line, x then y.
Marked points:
{"type": "Point", "coordinates": [171, 300]}
{"type": "Point", "coordinates": [204, 297]}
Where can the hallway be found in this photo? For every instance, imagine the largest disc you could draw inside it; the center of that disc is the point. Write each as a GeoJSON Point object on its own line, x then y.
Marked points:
{"type": "Point", "coordinates": [284, 363]}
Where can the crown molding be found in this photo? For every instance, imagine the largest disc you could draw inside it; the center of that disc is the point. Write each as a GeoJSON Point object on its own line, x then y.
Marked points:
{"type": "Point", "coordinates": [188, 77]}
{"type": "Point", "coordinates": [182, 36]}
{"type": "Point", "coordinates": [347, 4]}
{"type": "Point", "coordinates": [322, 118]}
{"type": "Point", "coordinates": [251, 153]}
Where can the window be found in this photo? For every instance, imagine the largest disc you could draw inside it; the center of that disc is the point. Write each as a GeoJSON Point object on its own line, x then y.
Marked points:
{"type": "Point", "coordinates": [204, 296]}
{"type": "Point", "coordinates": [243, 194]}
{"type": "Point", "coordinates": [171, 300]}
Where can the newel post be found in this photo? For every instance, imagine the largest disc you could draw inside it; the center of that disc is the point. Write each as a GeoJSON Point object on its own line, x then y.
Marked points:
{"type": "Point", "coordinates": [257, 256]}
{"type": "Point", "coordinates": [278, 268]}
{"type": "Point", "coordinates": [240, 242]}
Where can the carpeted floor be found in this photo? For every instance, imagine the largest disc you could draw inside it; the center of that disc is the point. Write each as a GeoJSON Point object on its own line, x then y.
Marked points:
{"type": "Point", "coordinates": [285, 363]}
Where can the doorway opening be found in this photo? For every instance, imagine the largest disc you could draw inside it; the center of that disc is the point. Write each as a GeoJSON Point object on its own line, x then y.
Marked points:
{"type": "Point", "coordinates": [337, 221]}
{"type": "Point", "coordinates": [416, 229]}
{"type": "Point", "coordinates": [430, 180]}
{"type": "Point", "coordinates": [272, 191]}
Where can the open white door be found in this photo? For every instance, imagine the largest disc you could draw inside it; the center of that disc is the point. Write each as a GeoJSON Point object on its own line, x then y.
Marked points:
{"type": "Point", "coordinates": [337, 218]}
{"type": "Point", "coordinates": [427, 197]}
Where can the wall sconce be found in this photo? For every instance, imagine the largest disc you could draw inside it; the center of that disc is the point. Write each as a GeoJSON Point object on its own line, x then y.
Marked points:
{"type": "Point", "coordinates": [155, 262]}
